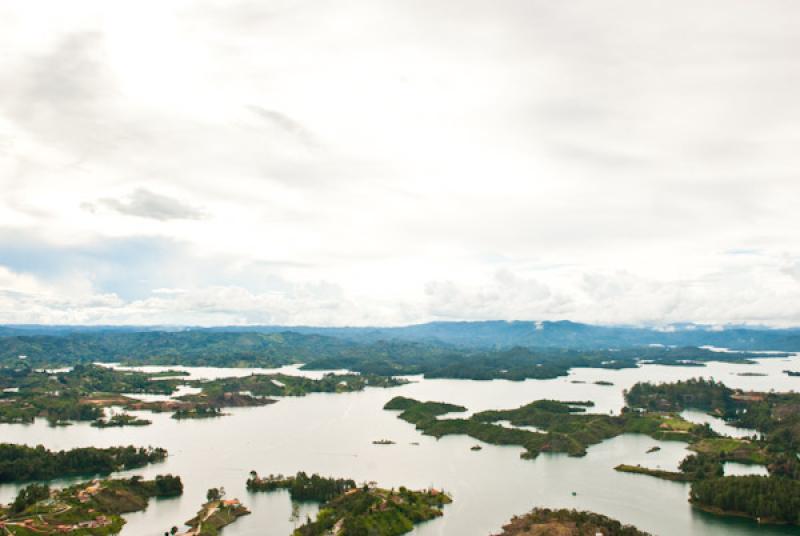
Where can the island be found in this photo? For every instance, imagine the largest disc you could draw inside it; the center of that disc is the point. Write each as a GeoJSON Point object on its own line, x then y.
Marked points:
{"type": "Point", "coordinates": [544, 522]}
{"type": "Point", "coordinates": [82, 393]}
{"type": "Point", "coordinates": [775, 416]}
{"type": "Point", "coordinates": [350, 509]}
{"type": "Point", "coordinates": [198, 412]}
{"type": "Point", "coordinates": [565, 426]}
{"type": "Point", "coordinates": [119, 420]}
{"type": "Point", "coordinates": [215, 514]}
{"type": "Point", "coordinates": [21, 463]}
{"type": "Point", "coordinates": [91, 508]}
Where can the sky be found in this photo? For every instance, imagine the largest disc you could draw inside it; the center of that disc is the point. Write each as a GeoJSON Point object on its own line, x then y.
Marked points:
{"type": "Point", "coordinates": [382, 162]}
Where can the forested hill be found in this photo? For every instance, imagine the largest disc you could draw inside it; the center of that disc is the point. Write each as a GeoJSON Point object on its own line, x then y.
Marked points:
{"type": "Point", "coordinates": [170, 348]}
{"type": "Point", "coordinates": [321, 352]}
{"type": "Point", "coordinates": [560, 334]}
{"type": "Point", "coordinates": [494, 334]}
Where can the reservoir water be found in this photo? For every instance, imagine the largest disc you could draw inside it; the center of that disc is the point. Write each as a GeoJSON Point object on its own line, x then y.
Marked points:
{"type": "Point", "coordinates": [332, 434]}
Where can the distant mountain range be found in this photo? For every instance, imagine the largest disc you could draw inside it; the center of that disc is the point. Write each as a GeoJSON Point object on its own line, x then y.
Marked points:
{"type": "Point", "coordinates": [482, 335]}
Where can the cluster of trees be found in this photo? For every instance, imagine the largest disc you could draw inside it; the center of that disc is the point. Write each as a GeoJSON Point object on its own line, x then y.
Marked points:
{"type": "Point", "coordinates": [56, 409]}
{"type": "Point", "coordinates": [19, 463]}
{"type": "Point", "coordinates": [368, 511]}
{"type": "Point", "coordinates": [700, 466]}
{"type": "Point", "coordinates": [697, 393]}
{"type": "Point", "coordinates": [30, 495]}
{"type": "Point", "coordinates": [85, 378]}
{"type": "Point", "coordinates": [768, 499]}
{"type": "Point", "coordinates": [119, 420]}
{"type": "Point", "coordinates": [301, 486]}
{"type": "Point", "coordinates": [563, 521]}
{"type": "Point", "coordinates": [61, 397]}
{"type": "Point", "coordinates": [284, 385]}
{"type": "Point", "coordinates": [167, 486]}
{"type": "Point", "coordinates": [197, 412]}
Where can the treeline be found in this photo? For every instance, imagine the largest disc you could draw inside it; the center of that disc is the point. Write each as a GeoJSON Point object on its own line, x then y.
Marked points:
{"type": "Point", "coordinates": [301, 486]}
{"type": "Point", "coordinates": [19, 463]}
{"type": "Point", "coordinates": [767, 499]}
{"type": "Point", "coordinates": [285, 385]}
{"type": "Point", "coordinates": [196, 347]}
{"type": "Point", "coordinates": [510, 364]}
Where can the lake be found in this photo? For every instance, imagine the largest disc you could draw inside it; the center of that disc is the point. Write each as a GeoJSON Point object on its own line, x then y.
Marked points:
{"type": "Point", "coordinates": [332, 434]}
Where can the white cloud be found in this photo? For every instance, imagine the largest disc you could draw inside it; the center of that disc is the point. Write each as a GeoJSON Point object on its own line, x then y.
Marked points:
{"type": "Point", "coordinates": [450, 159]}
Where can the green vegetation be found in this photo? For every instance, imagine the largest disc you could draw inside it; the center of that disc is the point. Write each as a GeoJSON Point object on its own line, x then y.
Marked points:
{"type": "Point", "coordinates": [565, 426]}
{"type": "Point", "coordinates": [384, 356]}
{"type": "Point", "coordinates": [120, 419]}
{"type": "Point", "coordinates": [658, 473]}
{"type": "Point", "coordinates": [766, 499]}
{"type": "Point", "coordinates": [732, 449]}
{"type": "Point", "coordinates": [509, 364]}
{"type": "Point", "coordinates": [301, 486]}
{"type": "Point", "coordinates": [197, 412]}
{"type": "Point", "coordinates": [30, 495]}
{"type": "Point", "coordinates": [76, 395]}
{"type": "Point", "coordinates": [776, 416]}
{"type": "Point", "coordinates": [87, 509]}
{"type": "Point", "coordinates": [194, 348]}
{"type": "Point", "coordinates": [546, 522]}
{"type": "Point", "coordinates": [81, 393]}
{"type": "Point", "coordinates": [261, 385]}
{"type": "Point", "coordinates": [216, 514]}
{"type": "Point", "coordinates": [20, 463]}
{"type": "Point", "coordinates": [693, 467]}
{"type": "Point", "coordinates": [350, 510]}
{"type": "Point", "coordinates": [698, 393]}
{"type": "Point", "coordinates": [85, 379]}
{"type": "Point", "coordinates": [370, 511]}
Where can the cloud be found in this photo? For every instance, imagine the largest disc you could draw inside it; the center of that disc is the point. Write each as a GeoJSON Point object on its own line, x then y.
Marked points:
{"type": "Point", "coordinates": [146, 204]}
{"type": "Point", "coordinates": [427, 160]}
{"type": "Point", "coordinates": [286, 124]}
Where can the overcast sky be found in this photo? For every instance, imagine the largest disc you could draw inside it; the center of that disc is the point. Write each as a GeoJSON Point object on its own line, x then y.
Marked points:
{"type": "Point", "coordinates": [389, 162]}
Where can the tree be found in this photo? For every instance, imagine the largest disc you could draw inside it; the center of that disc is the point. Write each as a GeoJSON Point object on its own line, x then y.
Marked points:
{"type": "Point", "coordinates": [30, 495]}
{"type": "Point", "coordinates": [213, 494]}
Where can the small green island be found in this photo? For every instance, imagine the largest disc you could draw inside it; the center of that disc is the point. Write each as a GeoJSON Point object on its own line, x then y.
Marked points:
{"type": "Point", "coordinates": [119, 420]}
{"type": "Point", "coordinates": [547, 522]}
{"type": "Point", "coordinates": [198, 412]}
{"type": "Point", "coordinates": [217, 513]}
{"type": "Point", "coordinates": [347, 508]}
{"type": "Point", "coordinates": [21, 463]}
{"type": "Point", "coordinates": [92, 508]}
